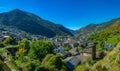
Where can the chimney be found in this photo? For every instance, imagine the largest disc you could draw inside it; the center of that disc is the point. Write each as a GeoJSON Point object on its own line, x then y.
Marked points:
{"type": "Point", "coordinates": [94, 51]}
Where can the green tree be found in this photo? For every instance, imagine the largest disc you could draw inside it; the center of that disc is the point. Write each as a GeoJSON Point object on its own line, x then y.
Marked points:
{"type": "Point", "coordinates": [47, 57]}
{"type": "Point", "coordinates": [7, 41]}
{"type": "Point", "coordinates": [39, 49]}
{"type": "Point", "coordinates": [56, 63]}
{"type": "Point", "coordinates": [81, 68]}
{"type": "Point", "coordinates": [24, 44]}
{"type": "Point", "coordinates": [32, 65]}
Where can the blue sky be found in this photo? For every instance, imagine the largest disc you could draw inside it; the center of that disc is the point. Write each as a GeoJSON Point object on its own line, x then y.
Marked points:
{"type": "Point", "coordinates": [72, 14]}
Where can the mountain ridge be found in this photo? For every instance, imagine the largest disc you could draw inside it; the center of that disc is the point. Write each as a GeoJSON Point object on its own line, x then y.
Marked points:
{"type": "Point", "coordinates": [93, 28]}
{"type": "Point", "coordinates": [27, 22]}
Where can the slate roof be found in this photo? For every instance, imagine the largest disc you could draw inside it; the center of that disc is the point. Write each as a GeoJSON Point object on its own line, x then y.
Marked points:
{"type": "Point", "coordinates": [109, 46]}
{"type": "Point", "coordinates": [72, 62]}
{"type": "Point", "coordinates": [60, 50]}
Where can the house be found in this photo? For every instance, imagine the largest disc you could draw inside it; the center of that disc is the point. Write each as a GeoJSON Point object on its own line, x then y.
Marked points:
{"type": "Point", "coordinates": [109, 46]}
{"type": "Point", "coordinates": [16, 36]}
{"type": "Point", "coordinates": [90, 48]}
{"type": "Point", "coordinates": [73, 44]}
{"type": "Point", "coordinates": [60, 50]}
{"type": "Point", "coordinates": [72, 62]}
{"type": "Point", "coordinates": [84, 44]}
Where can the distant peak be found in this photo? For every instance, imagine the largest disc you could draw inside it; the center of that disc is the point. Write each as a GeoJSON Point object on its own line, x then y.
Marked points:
{"type": "Point", "coordinates": [91, 24]}
{"type": "Point", "coordinates": [17, 10]}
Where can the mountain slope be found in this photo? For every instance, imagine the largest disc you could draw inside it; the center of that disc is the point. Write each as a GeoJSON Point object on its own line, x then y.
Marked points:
{"type": "Point", "coordinates": [31, 23]}
{"type": "Point", "coordinates": [93, 28]}
{"type": "Point", "coordinates": [111, 62]}
{"type": "Point", "coordinates": [110, 35]}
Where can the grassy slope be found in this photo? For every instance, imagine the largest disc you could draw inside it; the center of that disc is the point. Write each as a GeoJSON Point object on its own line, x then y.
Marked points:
{"type": "Point", "coordinates": [94, 28]}
{"type": "Point", "coordinates": [110, 35]}
{"type": "Point", "coordinates": [111, 62]}
{"type": "Point", "coordinates": [113, 40]}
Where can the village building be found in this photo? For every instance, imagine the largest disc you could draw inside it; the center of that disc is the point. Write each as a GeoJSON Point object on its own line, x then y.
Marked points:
{"type": "Point", "coordinates": [108, 46]}
{"type": "Point", "coordinates": [60, 50]}
{"type": "Point", "coordinates": [89, 48]}
{"type": "Point", "coordinates": [72, 62]}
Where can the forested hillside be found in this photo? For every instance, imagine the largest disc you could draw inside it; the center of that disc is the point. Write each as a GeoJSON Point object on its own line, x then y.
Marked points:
{"type": "Point", "coordinates": [111, 62]}
{"type": "Point", "coordinates": [32, 24]}
{"type": "Point", "coordinates": [94, 28]}
{"type": "Point", "coordinates": [110, 35]}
